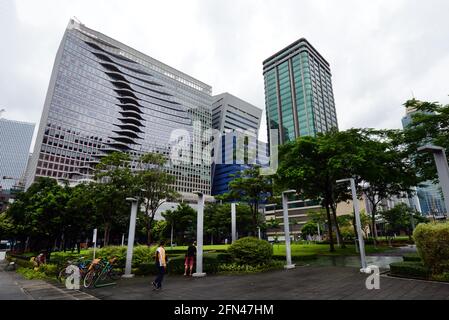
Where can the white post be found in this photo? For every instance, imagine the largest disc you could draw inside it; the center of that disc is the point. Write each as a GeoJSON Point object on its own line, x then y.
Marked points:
{"type": "Point", "coordinates": [287, 231]}
{"type": "Point", "coordinates": [171, 236]}
{"type": "Point", "coordinates": [260, 236]}
{"type": "Point", "coordinates": [234, 221]}
{"type": "Point", "coordinates": [199, 237]}
{"type": "Point", "coordinates": [131, 234]}
{"type": "Point", "coordinates": [319, 231]}
{"type": "Point", "coordinates": [123, 240]}
{"type": "Point", "coordinates": [94, 240]}
{"type": "Point", "coordinates": [359, 226]}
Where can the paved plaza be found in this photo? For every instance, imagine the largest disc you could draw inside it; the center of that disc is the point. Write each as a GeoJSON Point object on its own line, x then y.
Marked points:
{"type": "Point", "coordinates": [303, 283]}
{"type": "Point", "coordinates": [324, 279]}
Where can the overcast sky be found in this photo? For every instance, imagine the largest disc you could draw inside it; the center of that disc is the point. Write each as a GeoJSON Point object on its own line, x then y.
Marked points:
{"type": "Point", "coordinates": [379, 51]}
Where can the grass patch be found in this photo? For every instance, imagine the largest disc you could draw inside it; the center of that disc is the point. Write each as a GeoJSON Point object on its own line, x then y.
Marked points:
{"type": "Point", "coordinates": [309, 250]}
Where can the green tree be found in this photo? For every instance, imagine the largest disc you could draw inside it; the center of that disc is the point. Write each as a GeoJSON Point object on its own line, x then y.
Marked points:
{"type": "Point", "coordinates": [310, 228]}
{"type": "Point", "coordinates": [430, 125]}
{"type": "Point", "coordinates": [401, 218]}
{"type": "Point", "coordinates": [182, 222]}
{"type": "Point", "coordinates": [304, 166]}
{"type": "Point", "coordinates": [156, 186]}
{"type": "Point", "coordinates": [250, 187]}
{"type": "Point", "coordinates": [115, 182]}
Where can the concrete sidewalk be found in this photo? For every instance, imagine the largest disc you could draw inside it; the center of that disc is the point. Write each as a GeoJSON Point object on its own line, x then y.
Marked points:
{"type": "Point", "coordinates": [9, 286]}
{"type": "Point", "coordinates": [14, 287]}
{"type": "Point", "coordinates": [302, 283]}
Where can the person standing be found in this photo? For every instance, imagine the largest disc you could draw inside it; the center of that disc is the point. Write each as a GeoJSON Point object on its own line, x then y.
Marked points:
{"type": "Point", "coordinates": [190, 259]}
{"type": "Point", "coordinates": [161, 265]}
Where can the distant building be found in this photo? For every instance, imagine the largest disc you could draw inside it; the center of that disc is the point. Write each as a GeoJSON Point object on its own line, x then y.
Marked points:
{"type": "Point", "coordinates": [15, 143]}
{"type": "Point", "coordinates": [237, 122]}
{"type": "Point", "coordinates": [298, 92]}
{"type": "Point", "coordinates": [299, 101]}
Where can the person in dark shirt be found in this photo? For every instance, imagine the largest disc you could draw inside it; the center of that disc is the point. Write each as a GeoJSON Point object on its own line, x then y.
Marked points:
{"type": "Point", "coordinates": [190, 259]}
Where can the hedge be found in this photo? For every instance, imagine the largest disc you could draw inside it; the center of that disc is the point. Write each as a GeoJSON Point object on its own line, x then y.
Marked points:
{"type": "Point", "coordinates": [410, 270]}
{"type": "Point", "coordinates": [412, 257]}
{"type": "Point", "coordinates": [432, 241]}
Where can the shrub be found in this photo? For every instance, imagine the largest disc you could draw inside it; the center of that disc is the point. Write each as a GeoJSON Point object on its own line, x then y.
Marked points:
{"type": "Point", "coordinates": [413, 257]}
{"type": "Point", "coordinates": [224, 258]}
{"type": "Point", "coordinates": [444, 277]}
{"type": "Point", "coordinates": [22, 263]}
{"type": "Point", "coordinates": [31, 274]}
{"type": "Point", "coordinates": [142, 255]}
{"type": "Point", "coordinates": [251, 251]}
{"type": "Point", "coordinates": [432, 241]}
{"type": "Point", "coordinates": [110, 252]}
{"type": "Point", "coordinates": [51, 270]}
{"type": "Point", "coordinates": [237, 268]}
{"type": "Point", "coordinates": [145, 269]}
{"type": "Point", "coordinates": [210, 264]}
{"type": "Point", "coordinates": [410, 269]}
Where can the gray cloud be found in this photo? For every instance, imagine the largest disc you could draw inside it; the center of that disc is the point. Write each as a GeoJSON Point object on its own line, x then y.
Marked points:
{"type": "Point", "coordinates": [380, 51]}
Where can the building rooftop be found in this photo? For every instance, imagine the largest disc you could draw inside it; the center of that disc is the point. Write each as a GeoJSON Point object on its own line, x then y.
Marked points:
{"type": "Point", "coordinates": [150, 62]}
{"type": "Point", "coordinates": [290, 49]}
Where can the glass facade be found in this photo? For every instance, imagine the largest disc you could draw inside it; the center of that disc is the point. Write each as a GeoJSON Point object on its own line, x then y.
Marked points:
{"type": "Point", "coordinates": [106, 97]}
{"type": "Point", "coordinates": [236, 123]}
{"type": "Point", "coordinates": [298, 92]}
{"type": "Point", "coordinates": [15, 142]}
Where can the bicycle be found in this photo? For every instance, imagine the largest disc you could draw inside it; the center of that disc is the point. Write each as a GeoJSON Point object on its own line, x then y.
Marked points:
{"type": "Point", "coordinates": [81, 263]}
{"type": "Point", "coordinates": [100, 270]}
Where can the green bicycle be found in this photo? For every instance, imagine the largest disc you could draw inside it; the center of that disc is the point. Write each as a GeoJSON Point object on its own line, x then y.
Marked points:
{"type": "Point", "coordinates": [100, 270]}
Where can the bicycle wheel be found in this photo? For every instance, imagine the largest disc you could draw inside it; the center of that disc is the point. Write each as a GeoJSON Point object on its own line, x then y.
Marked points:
{"type": "Point", "coordinates": [89, 279]}
{"type": "Point", "coordinates": [114, 275]}
{"type": "Point", "coordinates": [62, 275]}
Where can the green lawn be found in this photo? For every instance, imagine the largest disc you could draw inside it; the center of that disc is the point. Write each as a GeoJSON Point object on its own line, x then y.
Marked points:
{"type": "Point", "coordinates": [301, 250]}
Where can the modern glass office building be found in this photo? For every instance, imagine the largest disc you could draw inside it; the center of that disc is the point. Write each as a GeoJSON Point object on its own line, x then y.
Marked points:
{"type": "Point", "coordinates": [106, 97]}
{"type": "Point", "coordinates": [15, 143]}
{"type": "Point", "coordinates": [237, 124]}
{"type": "Point", "coordinates": [298, 92]}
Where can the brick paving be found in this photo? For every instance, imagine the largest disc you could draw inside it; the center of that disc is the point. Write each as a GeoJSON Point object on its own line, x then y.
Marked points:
{"type": "Point", "coordinates": [302, 283]}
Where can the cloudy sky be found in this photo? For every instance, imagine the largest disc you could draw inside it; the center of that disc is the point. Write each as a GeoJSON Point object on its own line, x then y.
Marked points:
{"type": "Point", "coordinates": [381, 52]}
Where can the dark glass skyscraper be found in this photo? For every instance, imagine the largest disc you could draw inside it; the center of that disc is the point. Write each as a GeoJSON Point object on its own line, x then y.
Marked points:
{"type": "Point", "coordinates": [105, 97]}
{"type": "Point", "coordinates": [298, 92]}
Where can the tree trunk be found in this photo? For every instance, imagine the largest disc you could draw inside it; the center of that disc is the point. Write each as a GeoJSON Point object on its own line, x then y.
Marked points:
{"type": "Point", "coordinates": [329, 224]}
{"type": "Point", "coordinates": [107, 230]}
{"type": "Point", "coordinates": [334, 213]}
{"type": "Point", "coordinates": [149, 234]}
{"type": "Point", "coordinates": [255, 216]}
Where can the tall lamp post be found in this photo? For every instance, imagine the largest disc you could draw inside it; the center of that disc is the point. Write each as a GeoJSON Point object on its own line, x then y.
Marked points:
{"type": "Point", "coordinates": [288, 252]}
{"type": "Point", "coordinates": [234, 221]}
{"type": "Point", "coordinates": [358, 225]}
{"type": "Point", "coordinates": [199, 237]}
{"type": "Point", "coordinates": [439, 154]}
{"type": "Point", "coordinates": [131, 235]}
